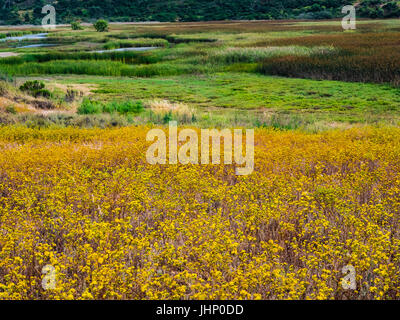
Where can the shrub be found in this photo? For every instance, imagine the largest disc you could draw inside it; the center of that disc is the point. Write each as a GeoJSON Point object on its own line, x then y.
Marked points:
{"type": "Point", "coordinates": [124, 107]}
{"type": "Point", "coordinates": [42, 93]}
{"type": "Point", "coordinates": [76, 25]}
{"type": "Point", "coordinates": [11, 109]}
{"type": "Point", "coordinates": [35, 88]}
{"type": "Point", "coordinates": [324, 14]}
{"type": "Point", "coordinates": [89, 107]}
{"type": "Point", "coordinates": [71, 95]}
{"type": "Point", "coordinates": [167, 117]}
{"type": "Point", "coordinates": [30, 86]}
{"type": "Point", "coordinates": [101, 25]}
{"type": "Point", "coordinates": [43, 104]}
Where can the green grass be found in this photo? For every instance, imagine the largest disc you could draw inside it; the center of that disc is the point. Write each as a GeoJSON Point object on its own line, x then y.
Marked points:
{"type": "Point", "coordinates": [128, 57]}
{"type": "Point", "coordinates": [140, 42]}
{"type": "Point", "coordinates": [326, 99]}
{"type": "Point", "coordinates": [99, 67]}
{"type": "Point", "coordinates": [257, 54]}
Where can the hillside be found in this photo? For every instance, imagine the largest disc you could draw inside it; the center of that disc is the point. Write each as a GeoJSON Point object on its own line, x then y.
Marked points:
{"type": "Point", "coordinates": [29, 11]}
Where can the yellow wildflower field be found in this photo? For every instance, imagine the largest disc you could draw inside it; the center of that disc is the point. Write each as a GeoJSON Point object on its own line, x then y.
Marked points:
{"type": "Point", "coordinates": [112, 226]}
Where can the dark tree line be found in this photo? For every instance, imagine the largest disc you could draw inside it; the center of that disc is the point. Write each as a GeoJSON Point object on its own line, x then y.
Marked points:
{"type": "Point", "coordinates": [29, 11]}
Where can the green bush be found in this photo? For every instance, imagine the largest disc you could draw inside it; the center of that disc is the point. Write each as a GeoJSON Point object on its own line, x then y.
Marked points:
{"type": "Point", "coordinates": [124, 107]}
{"type": "Point", "coordinates": [89, 107]}
{"type": "Point", "coordinates": [101, 25]}
{"type": "Point", "coordinates": [35, 88]}
{"type": "Point", "coordinates": [42, 93]}
{"type": "Point", "coordinates": [34, 85]}
{"type": "Point", "coordinates": [76, 25]}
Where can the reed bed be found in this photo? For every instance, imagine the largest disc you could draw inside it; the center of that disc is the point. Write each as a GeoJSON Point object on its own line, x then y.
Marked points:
{"type": "Point", "coordinates": [361, 57]}
{"type": "Point", "coordinates": [257, 54]}
{"type": "Point", "coordinates": [139, 42]}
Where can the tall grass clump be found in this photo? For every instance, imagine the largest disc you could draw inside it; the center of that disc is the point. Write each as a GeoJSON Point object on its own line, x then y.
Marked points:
{"type": "Point", "coordinates": [125, 107]}
{"type": "Point", "coordinates": [163, 111]}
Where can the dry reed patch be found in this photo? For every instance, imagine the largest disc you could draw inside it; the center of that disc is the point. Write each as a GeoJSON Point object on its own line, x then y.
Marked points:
{"type": "Point", "coordinates": [85, 89]}
{"type": "Point", "coordinates": [165, 106]}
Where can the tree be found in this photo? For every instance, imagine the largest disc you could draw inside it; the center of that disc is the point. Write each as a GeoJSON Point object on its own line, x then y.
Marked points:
{"type": "Point", "coordinates": [101, 25]}
{"type": "Point", "coordinates": [13, 16]}
{"type": "Point", "coordinates": [27, 17]}
{"type": "Point", "coordinates": [37, 14]}
{"type": "Point", "coordinates": [391, 9]}
{"type": "Point", "coordinates": [190, 10]}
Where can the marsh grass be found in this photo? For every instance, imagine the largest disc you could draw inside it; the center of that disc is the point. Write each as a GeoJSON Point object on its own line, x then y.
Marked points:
{"type": "Point", "coordinates": [104, 68]}
{"type": "Point", "coordinates": [128, 57]}
{"type": "Point", "coordinates": [163, 111]}
{"type": "Point", "coordinates": [139, 42]}
{"type": "Point", "coordinates": [351, 69]}
{"type": "Point", "coordinates": [359, 57]}
{"type": "Point", "coordinates": [257, 54]}
{"type": "Point", "coordinates": [19, 33]}
{"type": "Point", "coordinates": [123, 107]}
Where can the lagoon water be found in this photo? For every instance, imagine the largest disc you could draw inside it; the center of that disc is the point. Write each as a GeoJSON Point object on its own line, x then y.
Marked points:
{"type": "Point", "coordinates": [127, 49]}
{"type": "Point", "coordinates": [37, 36]}
{"type": "Point", "coordinates": [37, 45]}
